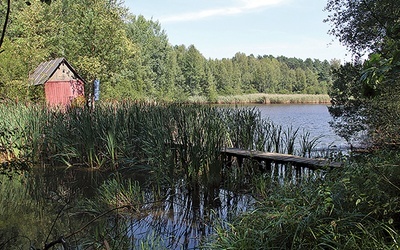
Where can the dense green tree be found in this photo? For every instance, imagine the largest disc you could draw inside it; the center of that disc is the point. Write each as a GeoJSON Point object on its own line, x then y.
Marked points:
{"type": "Point", "coordinates": [94, 38]}
{"type": "Point", "coordinates": [26, 45]}
{"type": "Point", "coordinates": [73, 29]}
{"type": "Point", "coordinates": [252, 66]}
{"type": "Point", "coordinates": [301, 81]}
{"type": "Point", "coordinates": [224, 77]}
{"type": "Point", "coordinates": [171, 91]}
{"type": "Point", "coordinates": [347, 105]}
{"type": "Point", "coordinates": [368, 27]}
{"type": "Point", "coordinates": [364, 25]}
{"type": "Point", "coordinates": [194, 70]}
{"type": "Point", "coordinates": [243, 66]}
{"type": "Point", "coordinates": [181, 91]}
{"type": "Point", "coordinates": [133, 58]}
{"type": "Point", "coordinates": [312, 83]}
{"type": "Point", "coordinates": [210, 88]}
{"type": "Point", "coordinates": [4, 12]}
{"type": "Point", "coordinates": [288, 79]}
{"type": "Point", "coordinates": [262, 76]}
{"type": "Point", "coordinates": [151, 62]}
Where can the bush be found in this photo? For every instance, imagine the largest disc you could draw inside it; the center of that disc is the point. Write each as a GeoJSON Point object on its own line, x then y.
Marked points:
{"type": "Point", "coordinates": [345, 209]}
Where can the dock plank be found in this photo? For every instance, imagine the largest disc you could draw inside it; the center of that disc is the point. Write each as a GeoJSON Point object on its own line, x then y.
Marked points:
{"type": "Point", "coordinates": [281, 158]}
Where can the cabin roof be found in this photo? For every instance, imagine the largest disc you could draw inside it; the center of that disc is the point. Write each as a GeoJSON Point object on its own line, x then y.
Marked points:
{"type": "Point", "coordinates": [46, 69]}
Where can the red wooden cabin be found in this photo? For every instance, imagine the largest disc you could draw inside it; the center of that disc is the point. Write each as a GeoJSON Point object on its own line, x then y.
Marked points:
{"type": "Point", "coordinates": [62, 84]}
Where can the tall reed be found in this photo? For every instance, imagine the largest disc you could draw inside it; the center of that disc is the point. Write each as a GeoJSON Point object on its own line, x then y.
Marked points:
{"type": "Point", "coordinates": [170, 140]}
{"type": "Point", "coordinates": [248, 130]}
{"type": "Point", "coordinates": [21, 131]}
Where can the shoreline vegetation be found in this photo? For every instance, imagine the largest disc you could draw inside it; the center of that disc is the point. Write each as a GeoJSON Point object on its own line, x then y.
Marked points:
{"type": "Point", "coordinates": [340, 209]}
{"type": "Point", "coordinates": [38, 133]}
{"type": "Point", "coordinates": [256, 99]}
{"type": "Point", "coordinates": [262, 98]}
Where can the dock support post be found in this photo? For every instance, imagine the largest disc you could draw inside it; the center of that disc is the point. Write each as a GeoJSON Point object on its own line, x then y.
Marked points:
{"type": "Point", "coordinates": [268, 165]}
{"type": "Point", "coordinates": [229, 160]}
{"type": "Point", "coordinates": [240, 161]}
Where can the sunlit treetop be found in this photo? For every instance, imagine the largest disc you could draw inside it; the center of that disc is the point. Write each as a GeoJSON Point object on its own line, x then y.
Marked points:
{"type": "Point", "coordinates": [364, 25]}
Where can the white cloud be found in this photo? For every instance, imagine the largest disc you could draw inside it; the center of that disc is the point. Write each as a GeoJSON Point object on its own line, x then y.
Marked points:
{"type": "Point", "coordinates": [242, 7]}
{"type": "Point", "coordinates": [253, 4]}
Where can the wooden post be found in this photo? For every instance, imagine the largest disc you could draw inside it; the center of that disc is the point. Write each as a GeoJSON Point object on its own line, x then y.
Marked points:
{"type": "Point", "coordinates": [229, 160]}
{"type": "Point", "coordinates": [268, 165]}
{"type": "Point", "coordinates": [240, 161]}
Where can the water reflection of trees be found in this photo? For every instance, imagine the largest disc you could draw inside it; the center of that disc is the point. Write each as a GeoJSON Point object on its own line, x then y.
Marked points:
{"type": "Point", "coordinates": [180, 219]}
{"type": "Point", "coordinates": [185, 218]}
{"type": "Point", "coordinates": [177, 217]}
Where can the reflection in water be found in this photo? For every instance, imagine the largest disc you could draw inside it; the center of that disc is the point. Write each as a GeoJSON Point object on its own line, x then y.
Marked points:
{"type": "Point", "coordinates": [180, 220]}
{"type": "Point", "coordinates": [54, 196]}
{"type": "Point", "coordinates": [185, 218]}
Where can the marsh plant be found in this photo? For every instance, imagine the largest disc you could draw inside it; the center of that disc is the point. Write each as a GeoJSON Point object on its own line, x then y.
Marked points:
{"type": "Point", "coordinates": [170, 140]}
{"type": "Point", "coordinates": [21, 131]}
{"type": "Point", "coordinates": [350, 208]}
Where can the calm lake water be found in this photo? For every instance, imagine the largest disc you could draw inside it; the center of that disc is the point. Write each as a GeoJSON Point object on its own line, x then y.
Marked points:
{"type": "Point", "coordinates": [312, 118]}
{"type": "Point", "coordinates": [181, 219]}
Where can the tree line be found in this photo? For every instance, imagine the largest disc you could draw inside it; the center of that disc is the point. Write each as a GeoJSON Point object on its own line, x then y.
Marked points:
{"type": "Point", "coordinates": [133, 58]}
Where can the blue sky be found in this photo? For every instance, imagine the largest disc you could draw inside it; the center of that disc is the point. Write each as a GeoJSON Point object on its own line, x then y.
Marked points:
{"type": "Point", "coordinates": [220, 28]}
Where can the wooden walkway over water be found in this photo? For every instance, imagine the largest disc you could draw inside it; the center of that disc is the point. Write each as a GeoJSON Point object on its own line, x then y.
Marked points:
{"type": "Point", "coordinates": [267, 157]}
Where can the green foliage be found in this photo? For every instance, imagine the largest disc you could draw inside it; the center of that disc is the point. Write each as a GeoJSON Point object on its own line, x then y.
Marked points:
{"type": "Point", "coordinates": [357, 207]}
{"type": "Point", "coordinates": [347, 102]}
{"type": "Point", "coordinates": [381, 85]}
{"type": "Point", "coordinates": [120, 195]}
{"type": "Point", "coordinates": [149, 67]}
{"type": "Point", "coordinates": [21, 131]}
{"type": "Point", "coordinates": [364, 25]}
{"type": "Point", "coordinates": [171, 140]}
{"type": "Point", "coordinates": [134, 59]}
{"type": "Point", "coordinates": [365, 99]}
{"type": "Point", "coordinates": [365, 94]}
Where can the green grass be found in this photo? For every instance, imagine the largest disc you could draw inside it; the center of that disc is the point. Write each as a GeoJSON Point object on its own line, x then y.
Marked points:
{"type": "Point", "coordinates": [352, 208]}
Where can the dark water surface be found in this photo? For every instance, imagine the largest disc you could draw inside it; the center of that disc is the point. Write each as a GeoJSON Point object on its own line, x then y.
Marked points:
{"type": "Point", "coordinates": [50, 202]}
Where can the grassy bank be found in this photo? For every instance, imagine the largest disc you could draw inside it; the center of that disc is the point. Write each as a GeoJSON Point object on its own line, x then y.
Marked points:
{"type": "Point", "coordinates": [266, 99]}
{"type": "Point", "coordinates": [352, 208]}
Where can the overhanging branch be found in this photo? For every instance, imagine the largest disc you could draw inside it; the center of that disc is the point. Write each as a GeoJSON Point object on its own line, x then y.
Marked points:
{"type": "Point", "coordinates": [3, 33]}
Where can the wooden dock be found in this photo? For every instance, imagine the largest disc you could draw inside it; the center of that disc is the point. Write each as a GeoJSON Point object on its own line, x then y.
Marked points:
{"type": "Point", "coordinates": [268, 157]}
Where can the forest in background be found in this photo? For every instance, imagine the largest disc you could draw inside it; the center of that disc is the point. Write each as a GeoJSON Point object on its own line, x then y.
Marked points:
{"type": "Point", "coordinates": [133, 58]}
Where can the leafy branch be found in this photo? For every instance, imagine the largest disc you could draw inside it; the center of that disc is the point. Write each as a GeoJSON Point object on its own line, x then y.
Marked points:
{"type": "Point", "coordinates": [3, 33]}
